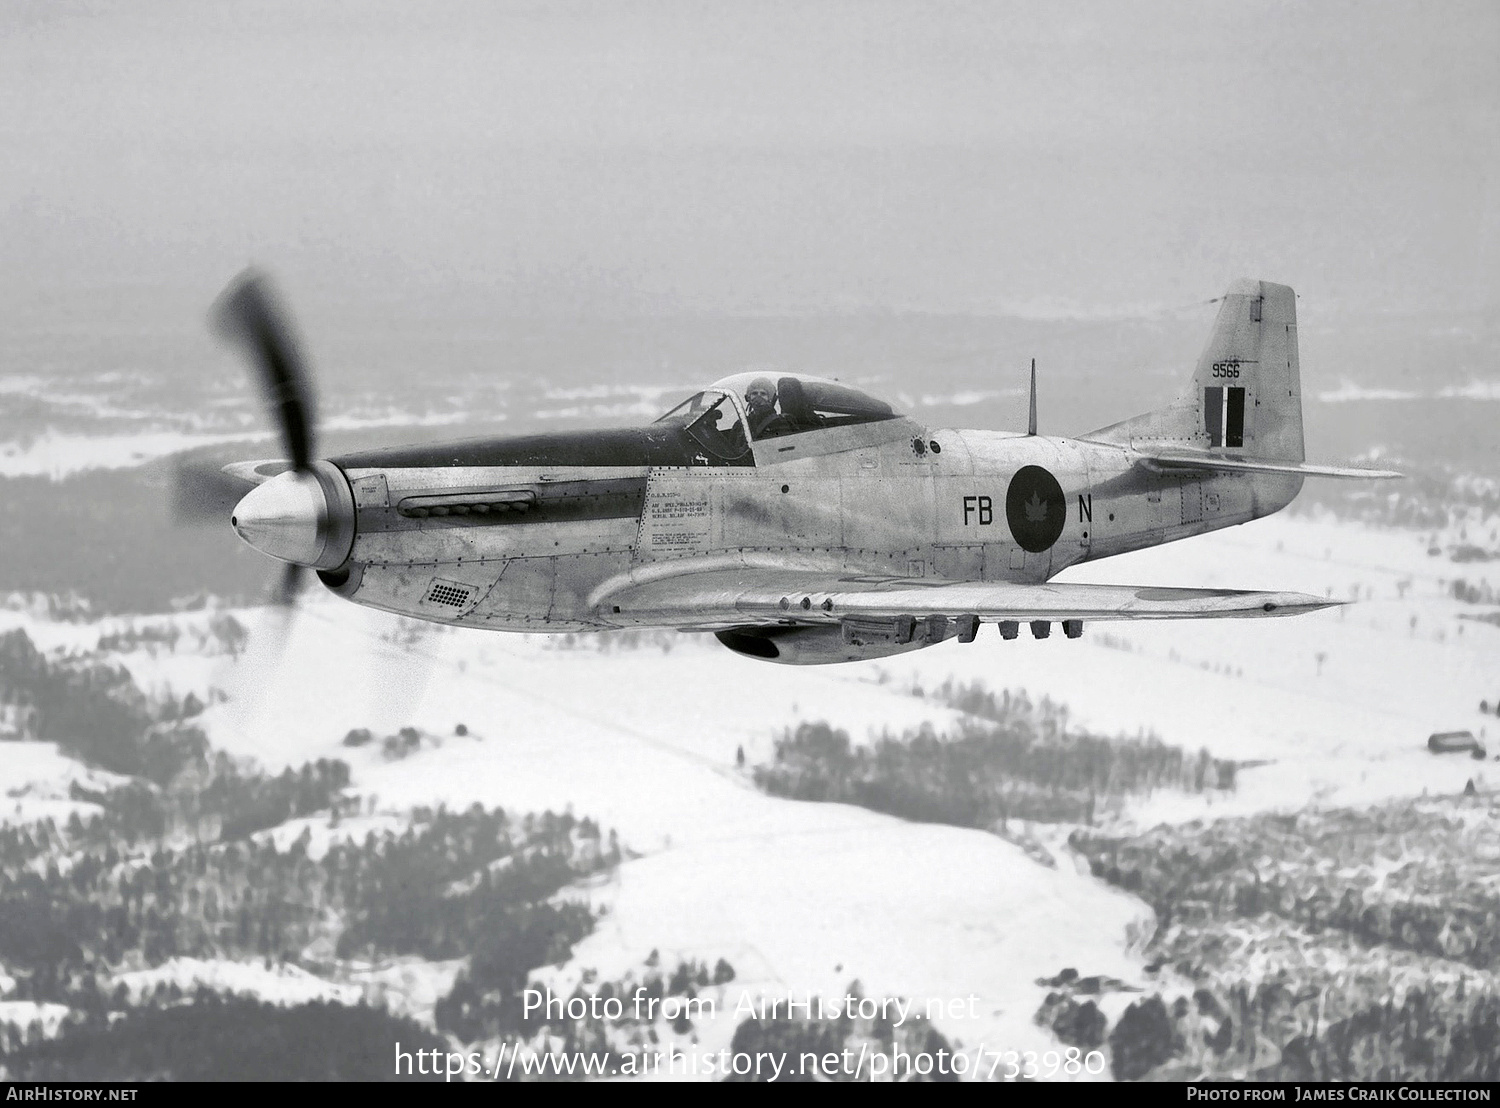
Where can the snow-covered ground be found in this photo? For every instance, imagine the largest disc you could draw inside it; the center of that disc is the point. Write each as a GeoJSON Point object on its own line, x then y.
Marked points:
{"type": "Point", "coordinates": [802, 896]}
{"type": "Point", "coordinates": [21, 1014]}
{"type": "Point", "coordinates": [796, 896]}
{"type": "Point", "coordinates": [36, 783]}
{"type": "Point", "coordinates": [1340, 701]}
{"type": "Point", "coordinates": [279, 984]}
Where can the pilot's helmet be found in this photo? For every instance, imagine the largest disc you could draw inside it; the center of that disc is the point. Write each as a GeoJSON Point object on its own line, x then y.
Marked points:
{"type": "Point", "coordinates": [764, 386]}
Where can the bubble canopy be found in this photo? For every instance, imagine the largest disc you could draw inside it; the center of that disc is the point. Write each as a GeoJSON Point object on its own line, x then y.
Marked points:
{"type": "Point", "coordinates": [776, 404]}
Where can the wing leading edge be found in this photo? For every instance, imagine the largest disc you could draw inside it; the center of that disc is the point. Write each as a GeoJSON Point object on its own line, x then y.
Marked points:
{"type": "Point", "coordinates": [719, 598]}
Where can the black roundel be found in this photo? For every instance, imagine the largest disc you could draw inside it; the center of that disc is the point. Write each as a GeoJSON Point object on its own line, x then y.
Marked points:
{"type": "Point", "coordinates": [1035, 508]}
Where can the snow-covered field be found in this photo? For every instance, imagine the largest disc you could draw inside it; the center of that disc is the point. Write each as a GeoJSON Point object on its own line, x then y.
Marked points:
{"type": "Point", "coordinates": [1340, 701]}
{"type": "Point", "coordinates": [36, 781]}
{"type": "Point", "coordinates": [280, 984]}
{"type": "Point", "coordinates": [802, 896]}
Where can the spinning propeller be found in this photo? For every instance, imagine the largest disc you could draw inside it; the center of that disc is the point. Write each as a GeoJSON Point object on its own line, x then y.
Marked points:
{"type": "Point", "coordinates": [304, 514]}
{"type": "Point", "coordinates": [299, 510]}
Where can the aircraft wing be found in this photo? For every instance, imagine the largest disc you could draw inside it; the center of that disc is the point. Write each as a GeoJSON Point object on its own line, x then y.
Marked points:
{"type": "Point", "coordinates": [717, 598]}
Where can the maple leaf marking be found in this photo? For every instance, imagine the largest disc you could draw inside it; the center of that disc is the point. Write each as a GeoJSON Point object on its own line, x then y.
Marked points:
{"type": "Point", "coordinates": [1036, 509]}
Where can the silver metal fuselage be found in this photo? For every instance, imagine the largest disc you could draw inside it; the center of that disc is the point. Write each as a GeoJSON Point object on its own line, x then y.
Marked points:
{"type": "Point", "coordinates": [888, 498]}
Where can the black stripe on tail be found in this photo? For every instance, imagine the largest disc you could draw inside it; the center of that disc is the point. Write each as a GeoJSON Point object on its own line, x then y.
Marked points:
{"type": "Point", "coordinates": [1224, 415]}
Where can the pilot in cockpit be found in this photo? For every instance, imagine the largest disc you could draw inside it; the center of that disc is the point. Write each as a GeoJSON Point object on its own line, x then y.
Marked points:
{"type": "Point", "coordinates": [760, 402]}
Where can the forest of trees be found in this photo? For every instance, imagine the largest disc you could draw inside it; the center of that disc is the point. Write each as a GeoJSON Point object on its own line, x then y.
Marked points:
{"type": "Point", "coordinates": [1326, 870]}
{"type": "Point", "coordinates": [117, 546]}
{"type": "Point", "coordinates": [484, 1006]}
{"type": "Point", "coordinates": [173, 864]}
{"type": "Point", "coordinates": [1329, 946]}
{"type": "Point", "coordinates": [78, 904]}
{"type": "Point", "coordinates": [915, 1051]}
{"type": "Point", "coordinates": [95, 712]}
{"type": "Point", "coordinates": [1278, 1030]}
{"type": "Point", "coordinates": [216, 1038]}
{"type": "Point", "coordinates": [1012, 759]}
{"type": "Point", "coordinates": [450, 884]}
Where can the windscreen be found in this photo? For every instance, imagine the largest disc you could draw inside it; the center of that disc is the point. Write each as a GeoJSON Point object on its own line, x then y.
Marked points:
{"type": "Point", "coordinates": [713, 422]}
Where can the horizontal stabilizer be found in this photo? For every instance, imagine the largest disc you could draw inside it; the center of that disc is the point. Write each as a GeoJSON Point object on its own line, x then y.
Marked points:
{"type": "Point", "coordinates": [725, 597]}
{"type": "Point", "coordinates": [1189, 461]}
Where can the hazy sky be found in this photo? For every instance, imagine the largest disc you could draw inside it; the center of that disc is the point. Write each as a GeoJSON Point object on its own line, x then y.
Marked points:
{"type": "Point", "coordinates": [753, 156]}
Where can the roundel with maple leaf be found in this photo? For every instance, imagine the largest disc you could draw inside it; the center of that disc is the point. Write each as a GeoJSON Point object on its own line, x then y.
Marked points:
{"type": "Point", "coordinates": [1035, 508]}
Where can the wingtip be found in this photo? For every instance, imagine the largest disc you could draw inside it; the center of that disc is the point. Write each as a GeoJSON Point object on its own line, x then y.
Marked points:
{"type": "Point", "coordinates": [1298, 603]}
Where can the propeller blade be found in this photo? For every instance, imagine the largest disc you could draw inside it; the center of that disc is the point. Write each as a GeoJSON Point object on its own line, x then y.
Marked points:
{"type": "Point", "coordinates": [288, 586]}
{"type": "Point", "coordinates": [273, 626]}
{"type": "Point", "coordinates": [250, 313]}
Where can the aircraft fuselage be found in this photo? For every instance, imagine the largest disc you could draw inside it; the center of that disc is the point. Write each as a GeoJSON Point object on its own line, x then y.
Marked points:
{"type": "Point", "coordinates": [516, 534]}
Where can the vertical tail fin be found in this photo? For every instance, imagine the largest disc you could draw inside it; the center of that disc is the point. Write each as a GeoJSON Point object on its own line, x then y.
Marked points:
{"type": "Point", "coordinates": [1245, 397]}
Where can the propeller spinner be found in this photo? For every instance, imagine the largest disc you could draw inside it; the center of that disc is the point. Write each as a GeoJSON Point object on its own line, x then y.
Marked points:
{"type": "Point", "coordinates": [305, 517]}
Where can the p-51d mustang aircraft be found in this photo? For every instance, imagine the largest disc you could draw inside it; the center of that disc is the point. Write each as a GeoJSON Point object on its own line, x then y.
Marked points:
{"type": "Point", "coordinates": [798, 519]}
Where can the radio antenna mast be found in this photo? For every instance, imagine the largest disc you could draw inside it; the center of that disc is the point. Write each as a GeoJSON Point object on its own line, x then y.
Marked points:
{"type": "Point", "coordinates": [1031, 425]}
